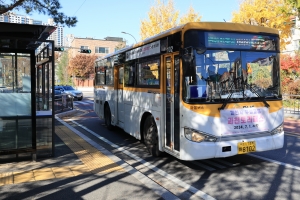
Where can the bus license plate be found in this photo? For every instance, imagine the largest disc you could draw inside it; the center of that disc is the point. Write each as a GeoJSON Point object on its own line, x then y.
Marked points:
{"type": "Point", "coordinates": [246, 147]}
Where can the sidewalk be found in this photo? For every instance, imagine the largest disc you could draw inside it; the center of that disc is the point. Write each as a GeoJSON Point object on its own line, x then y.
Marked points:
{"type": "Point", "coordinates": [292, 123]}
{"type": "Point", "coordinates": [78, 171]}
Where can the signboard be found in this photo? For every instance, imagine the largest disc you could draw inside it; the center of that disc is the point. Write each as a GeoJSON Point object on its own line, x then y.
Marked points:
{"type": "Point", "coordinates": [245, 120]}
{"type": "Point", "coordinates": [146, 50]}
{"type": "Point", "coordinates": [240, 41]}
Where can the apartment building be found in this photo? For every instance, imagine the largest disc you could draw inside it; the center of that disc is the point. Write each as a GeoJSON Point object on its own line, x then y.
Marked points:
{"type": "Point", "coordinates": [295, 37]}
{"type": "Point", "coordinates": [11, 17]}
{"type": "Point", "coordinates": [58, 35]}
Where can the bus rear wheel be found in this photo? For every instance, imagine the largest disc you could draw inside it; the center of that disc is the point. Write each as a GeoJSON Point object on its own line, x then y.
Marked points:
{"type": "Point", "coordinates": [107, 118]}
{"type": "Point", "coordinates": [151, 137]}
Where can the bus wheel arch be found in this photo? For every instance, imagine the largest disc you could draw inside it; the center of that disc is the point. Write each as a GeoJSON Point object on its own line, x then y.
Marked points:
{"type": "Point", "coordinates": [150, 135]}
{"type": "Point", "coordinates": [142, 123]}
{"type": "Point", "coordinates": [107, 116]}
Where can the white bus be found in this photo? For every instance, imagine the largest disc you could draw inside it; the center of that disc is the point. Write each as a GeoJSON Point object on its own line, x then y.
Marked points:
{"type": "Point", "coordinates": [197, 91]}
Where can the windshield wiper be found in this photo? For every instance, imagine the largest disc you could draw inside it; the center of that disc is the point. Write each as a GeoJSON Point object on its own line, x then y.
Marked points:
{"type": "Point", "coordinates": [263, 99]}
{"type": "Point", "coordinates": [243, 84]}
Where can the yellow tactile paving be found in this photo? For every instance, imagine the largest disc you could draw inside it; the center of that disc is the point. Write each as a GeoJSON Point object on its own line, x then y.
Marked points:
{"type": "Point", "coordinates": [93, 162]}
{"type": "Point", "coordinates": [6, 178]}
{"type": "Point", "coordinates": [79, 169]}
{"type": "Point", "coordinates": [62, 172]}
{"type": "Point", "coordinates": [43, 174]}
{"type": "Point", "coordinates": [23, 176]}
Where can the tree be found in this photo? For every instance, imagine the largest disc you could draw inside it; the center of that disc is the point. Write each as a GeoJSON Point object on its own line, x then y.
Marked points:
{"type": "Point", "coordinates": [268, 13]}
{"type": "Point", "coordinates": [63, 61]}
{"type": "Point", "coordinates": [82, 66]}
{"type": "Point", "coordinates": [163, 17]}
{"type": "Point", "coordinates": [49, 7]}
{"type": "Point", "coordinates": [296, 5]}
{"type": "Point", "coordinates": [190, 16]}
{"type": "Point", "coordinates": [290, 73]}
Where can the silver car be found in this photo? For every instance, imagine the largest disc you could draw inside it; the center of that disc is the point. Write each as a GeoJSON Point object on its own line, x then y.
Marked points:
{"type": "Point", "coordinates": [67, 89]}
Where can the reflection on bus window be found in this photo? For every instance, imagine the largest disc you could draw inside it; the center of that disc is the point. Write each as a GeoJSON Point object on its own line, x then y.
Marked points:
{"type": "Point", "coordinates": [219, 73]}
{"type": "Point", "coordinates": [148, 72]}
{"type": "Point", "coordinates": [100, 76]}
{"type": "Point", "coordinates": [129, 75]}
{"type": "Point", "coordinates": [109, 75]}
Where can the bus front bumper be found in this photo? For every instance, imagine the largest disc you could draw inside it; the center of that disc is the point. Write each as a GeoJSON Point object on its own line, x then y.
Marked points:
{"type": "Point", "coordinates": [206, 150]}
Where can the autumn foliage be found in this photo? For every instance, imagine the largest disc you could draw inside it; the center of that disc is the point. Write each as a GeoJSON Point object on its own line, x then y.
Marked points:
{"type": "Point", "coordinates": [82, 65]}
{"type": "Point", "coordinates": [290, 71]}
{"type": "Point", "coordinates": [268, 13]}
{"type": "Point", "coordinates": [163, 16]}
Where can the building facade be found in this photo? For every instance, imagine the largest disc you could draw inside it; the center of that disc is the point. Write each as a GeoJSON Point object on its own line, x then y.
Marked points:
{"type": "Point", "coordinates": [58, 35]}
{"type": "Point", "coordinates": [11, 17]}
{"type": "Point", "coordinates": [295, 37]}
{"type": "Point", "coordinates": [99, 47]}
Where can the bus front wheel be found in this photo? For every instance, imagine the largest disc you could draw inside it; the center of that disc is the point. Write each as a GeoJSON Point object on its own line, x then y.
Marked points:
{"type": "Point", "coordinates": [107, 118]}
{"type": "Point", "coordinates": [151, 137]}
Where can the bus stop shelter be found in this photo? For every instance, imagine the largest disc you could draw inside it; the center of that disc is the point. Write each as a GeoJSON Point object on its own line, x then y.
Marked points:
{"type": "Point", "coordinates": [26, 85]}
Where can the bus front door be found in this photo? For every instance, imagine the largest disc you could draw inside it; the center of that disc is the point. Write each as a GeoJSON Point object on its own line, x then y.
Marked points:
{"type": "Point", "coordinates": [120, 103]}
{"type": "Point", "coordinates": [172, 125]}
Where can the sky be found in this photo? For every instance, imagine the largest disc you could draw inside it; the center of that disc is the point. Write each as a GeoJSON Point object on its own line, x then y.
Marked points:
{"type": "Point", "coordinates": [99, 19]}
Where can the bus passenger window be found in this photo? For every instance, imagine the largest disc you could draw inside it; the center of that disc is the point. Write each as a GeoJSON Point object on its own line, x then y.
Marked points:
{"type": "Point", "coordinates": [148, 72]}
{"type": "Point", "coordinates": [129, 75]}
{"type": "Point", "coordinates": [109, 76]}
{"type": "Point", "coordinates": [121, 75]}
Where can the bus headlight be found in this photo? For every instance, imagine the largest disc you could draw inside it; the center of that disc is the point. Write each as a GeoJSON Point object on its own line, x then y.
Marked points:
{"type": "Point", "coordinates": [277, 130]}
{"type": "Point", "coordinates": [197, 136]}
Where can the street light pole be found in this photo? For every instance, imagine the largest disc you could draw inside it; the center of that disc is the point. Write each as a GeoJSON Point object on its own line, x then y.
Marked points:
{"type": "Point", "coordinates": [130, 35]}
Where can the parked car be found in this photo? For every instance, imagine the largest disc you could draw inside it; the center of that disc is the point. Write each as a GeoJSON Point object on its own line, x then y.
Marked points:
{"type": "Point", "coordinates": [57, 94]}
{"type": "Point", "coordinates": [67, 89]}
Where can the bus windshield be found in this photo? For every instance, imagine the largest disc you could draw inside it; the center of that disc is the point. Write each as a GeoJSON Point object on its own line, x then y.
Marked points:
{"type": "Point", "coordinates": [232, 66]}
{"type": "Point", "coordinates": [221, 74]}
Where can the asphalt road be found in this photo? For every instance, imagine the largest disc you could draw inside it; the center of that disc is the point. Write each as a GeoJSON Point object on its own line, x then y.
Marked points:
{"type": "Point", "coordinates": [266, 175]}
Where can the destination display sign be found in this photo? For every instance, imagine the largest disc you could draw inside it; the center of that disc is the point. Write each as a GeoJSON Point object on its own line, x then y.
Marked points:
{"type": "Point", "coordinates": [240, 41]}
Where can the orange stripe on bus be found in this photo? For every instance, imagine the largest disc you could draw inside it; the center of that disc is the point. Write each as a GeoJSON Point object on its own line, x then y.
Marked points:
{"type": "Point", "coordinates": [212, 109]}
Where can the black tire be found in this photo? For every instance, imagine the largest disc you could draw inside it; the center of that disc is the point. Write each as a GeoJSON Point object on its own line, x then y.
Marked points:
{"type": "Point", "coordinates": [107, 118]}
{"type": "Point", "coordinates": [151, 136]}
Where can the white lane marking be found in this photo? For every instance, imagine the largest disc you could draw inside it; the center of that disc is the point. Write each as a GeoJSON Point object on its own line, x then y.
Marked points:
{"type": "Point", "coordinates": [159, 190]}
{"type": "Point", "coordinates": [150, 166]}
{"type": "Point", "coordinates": [277, 162]}
{"type": "Point", "coordinates": [81, 103]}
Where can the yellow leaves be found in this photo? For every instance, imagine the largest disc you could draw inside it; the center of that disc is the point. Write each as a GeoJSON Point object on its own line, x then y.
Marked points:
{"type": "Point", "coordinates": [191, 16]}
{"type": "Point", "coordinates": [268, 13]}
{"type": "Point", "coordinates": [163, 16]}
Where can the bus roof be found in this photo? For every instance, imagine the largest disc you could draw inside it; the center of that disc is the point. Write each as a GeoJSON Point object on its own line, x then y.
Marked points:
{"type": "Point", "coordinates": [207, 26]}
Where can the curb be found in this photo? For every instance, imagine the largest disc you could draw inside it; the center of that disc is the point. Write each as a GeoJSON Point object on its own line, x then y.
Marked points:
{"type": "Point", "coordinates": [68, 113]}
{"type": "Point", "coordinates": [290, 115]}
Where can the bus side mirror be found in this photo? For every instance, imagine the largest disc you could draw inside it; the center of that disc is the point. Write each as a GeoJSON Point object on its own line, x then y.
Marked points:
{"type": "Point", "coordinates": [200, 50]}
